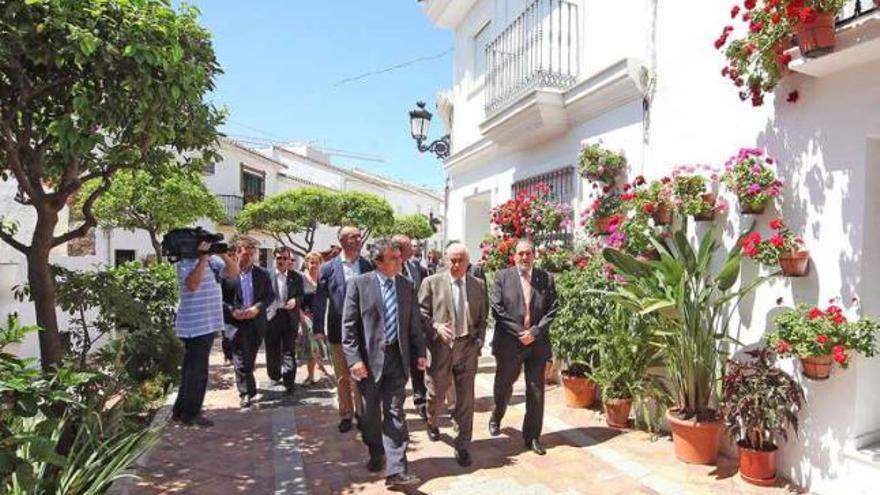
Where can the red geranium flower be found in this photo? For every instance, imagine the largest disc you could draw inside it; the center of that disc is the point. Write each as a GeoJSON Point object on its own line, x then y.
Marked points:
{"type": "Point", "coordinates": [777, 241]}
{"type": "Point", "coordinates": [750, 4]}
{"type": "Point", "coordinates": [628, 196]}
{"type": "Point", "coordinates": [776, 224]}
{"type": "Point", "coordinates": [822, 338]}
{"type": "Point", "coordinates": [793, 96]}
{"type": "Point", "coordinates": [648, 208]}
{"type": "Point", "coordinates": [734, 11]}
{"type": "Point", "coordinates": [815, 313]}
{"type": "Point", "coordinates": [782, 347]}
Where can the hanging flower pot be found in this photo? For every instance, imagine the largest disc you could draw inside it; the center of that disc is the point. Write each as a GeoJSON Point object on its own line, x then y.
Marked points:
{"type": "Point", "coordinates": [794, 264]}
{"type": "Point", "coordinates": [617, 412]}
{"type": "Point", "coordinates": [817, 367]}
{"type": "Point", "coordinates": [817, 36]}
{"type": "Point", "coordinates": [695, 442]}
{"type": "Point", "coordinates": [752, 208]}
{"type": "Point", "coordinates": [757, 467]}
{"type": "Point", "coordinates": [579, 391]}
{"type": "Point", "coordinates": [663, 213]}
{"type": "Point", "coordinates": [708, 214]}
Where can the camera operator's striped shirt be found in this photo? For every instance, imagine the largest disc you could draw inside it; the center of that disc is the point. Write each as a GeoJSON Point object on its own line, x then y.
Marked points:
{"type": "Point", "coordinates": [200, 312]}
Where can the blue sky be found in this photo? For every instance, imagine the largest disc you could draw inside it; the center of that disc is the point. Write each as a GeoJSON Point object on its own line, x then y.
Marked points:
{"type": "Point", "coordinates": [281, 59]}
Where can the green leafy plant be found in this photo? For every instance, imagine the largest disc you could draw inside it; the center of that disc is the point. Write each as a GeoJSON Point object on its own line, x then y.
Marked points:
{"type": "Point", "coordinates": [554, 257]}
{"type": "Point", "coordinates": [760, 402]}
{"type": "Point", "coordinates": [768, 250]}
{"type": "Point", "coordinates": [809, 331]}
{"type": "Point", "coordinates": [690, 194]}
{"type": "Point", "coordinates": [750, 175]}
{"type": "Point", "coordinates": [416, 226]}
{"type": "Point", "coordinates": [693, 304]}
{"type": "Point", "coordinates": [600, 164]}
{"type": "Point", "coordinates": [497, 253]}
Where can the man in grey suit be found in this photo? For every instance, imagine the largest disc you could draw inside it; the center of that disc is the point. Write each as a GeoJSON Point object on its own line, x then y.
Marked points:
{"type": "Point", "coordinates": [524, 305]}
{"type": "Point", "coordinates": [413, 271]}
{"type": "Point", "coordinates": [381, 332]}
{"type": "Point", "coordinates": [454, 306]}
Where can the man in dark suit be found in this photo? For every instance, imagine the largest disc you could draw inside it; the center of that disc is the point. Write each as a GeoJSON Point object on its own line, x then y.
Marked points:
{"type": "Point", "coordinates": [329, 299]}
{"type": "Point", "coordinates": [382, 332]}
{"type": "Point", "coordinates": [245, 301]}
{"type": "Point", "coordinates": [524, 305]}
{"type": "Point", "coordinates": [455, 311]}
{"type": "Point", "coordinates": [413, 271]}
{"type": "Point", "coordinates": [283, 317]}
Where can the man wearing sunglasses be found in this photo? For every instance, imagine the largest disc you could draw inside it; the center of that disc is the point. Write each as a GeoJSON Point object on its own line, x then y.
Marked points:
{"type": "Point", "coordinates": [283, 315]}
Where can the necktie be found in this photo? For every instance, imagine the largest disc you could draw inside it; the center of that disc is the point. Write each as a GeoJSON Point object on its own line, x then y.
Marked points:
{"type": "Point", "coordinates": [406, 272]}
{"type": "Point", "coordinates": [460, 309]}
{"type": "Point", "coordinates": [527, 298]}
{"type": "Point", "coordinates": [281, 280]}
{"type": "Point", "coordinates": [390, 300]}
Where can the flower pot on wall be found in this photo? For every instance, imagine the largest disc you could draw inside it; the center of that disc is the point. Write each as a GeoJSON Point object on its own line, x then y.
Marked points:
{"type": "Point", "coordinates": [708, 214]}
{"type": "Point", "coordinates": [663, 214]}
{"type": "Point", "coordinates": [818, 36]}
{"type": "Point", "coordinates": [757, 467]}
{"type": "Point", "coordinates": [617, 412]}
{"type": "Point", "coordinates": [752, 208]}
{"type": "Point", "coordinates": [694, 442]}
{"type": "Point", "coordinates": [795, 264]}
{"type": "Point", "coordinates": [818, 367]}
{"type": "Point", "coordinates": [579, 391]}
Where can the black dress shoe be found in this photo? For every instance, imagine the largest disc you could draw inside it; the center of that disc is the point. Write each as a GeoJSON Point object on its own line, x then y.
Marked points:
{"type": "Point", "coordinates": [423, 412]}
{"type": "Point", "coordinates": [244, 402]}
{"type": "Point", "coordinates": [199, 421]}
{"type": "Point", "coordinates": [433, 433]}
{"type": "Point", "coordinates": [463, 457]}
{"type": "Point", "coordinates": [345, 425]}
{"type": "Point", "coordinates": [401, 479]}
{"type": "Point", "coordinates": [535, 446]}
{"type": "Point", "coordinates": [494, 428]}
{"type": "Point", "coordinates": [375, 464]}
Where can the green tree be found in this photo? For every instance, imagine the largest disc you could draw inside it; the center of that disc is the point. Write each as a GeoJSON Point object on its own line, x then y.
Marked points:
{"type": "Point", "coordinates": [367, 211]}
{"type": "Point", "coordinates": [169, 198]}
{"type": "Point", "coordinates": [89, 88]}
{"type": "Point", "coordinates": [298, 211]}
{"type": "Point", "coordinates": [416, 226]}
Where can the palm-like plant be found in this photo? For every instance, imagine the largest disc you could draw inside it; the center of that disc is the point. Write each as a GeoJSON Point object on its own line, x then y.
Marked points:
{"type": "Point", "coordinates": [693, 304]}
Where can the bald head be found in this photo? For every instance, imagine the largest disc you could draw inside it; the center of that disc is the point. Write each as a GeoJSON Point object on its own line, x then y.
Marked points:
{"type": "Point", "coordinates": [350, 240]}
{"type": "Point", "coordinates": [458, 260]}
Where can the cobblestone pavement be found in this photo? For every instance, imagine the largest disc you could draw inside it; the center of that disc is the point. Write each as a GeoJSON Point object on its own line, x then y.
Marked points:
{"type": "Point", "coordinates": [291, 445]}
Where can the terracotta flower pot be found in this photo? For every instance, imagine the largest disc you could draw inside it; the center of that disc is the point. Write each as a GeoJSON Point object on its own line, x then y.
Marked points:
{"type": "Point", "coordinates": [662, 215]}
{"type": "Point", "coordinates": [709, 214]}
{"type": "Point", "coordinates": [817, 37]}
{"type": "Point", "coordinates": [603, 225]}
{"type": "Point", "coordinates": [756, 466]}
{"type": "Point", "coordinates": [694, 442]}
{"type": "Point", "coordinates": [752, 209]}
{"type": "Point", "coordinates": [579, 391]}
{"type": "Point", "coordinates": [617, 412]}
{"type": "Point", "coordinates": [795, 264]}
{"type": "Point", "coordinates": [818, 367]}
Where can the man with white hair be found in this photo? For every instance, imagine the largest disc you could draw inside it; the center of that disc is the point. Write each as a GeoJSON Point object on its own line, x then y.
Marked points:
{"type": "Point", "coordinates": [455, 308]}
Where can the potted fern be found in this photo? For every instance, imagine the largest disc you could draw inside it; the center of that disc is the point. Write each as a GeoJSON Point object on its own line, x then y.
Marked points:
{"type": "Point", "coordinates": [760, 405]}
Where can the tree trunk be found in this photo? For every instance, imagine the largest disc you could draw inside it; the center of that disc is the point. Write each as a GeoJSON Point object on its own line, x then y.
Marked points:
{"type": "Point", "coordinates": [42, 288]}
{"type": "Point", "coordinates": [157, 247]}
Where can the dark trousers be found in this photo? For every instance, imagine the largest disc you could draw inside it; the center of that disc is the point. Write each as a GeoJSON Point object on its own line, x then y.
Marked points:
{"type": "Point", "coordinates": [507, 367]}
{"type": "Point", "coordinates": [227, 347]}
{"type": "Point", "coordinates": [245, 346]}
{"type": "Point", "coordinates": [193, 376]}
{"type": "Point", "coordinates": [420, 390]}
{"type": "Point", "coordinates": [281, 348]}
{"type": "Point", "coordinates": [383, 422]}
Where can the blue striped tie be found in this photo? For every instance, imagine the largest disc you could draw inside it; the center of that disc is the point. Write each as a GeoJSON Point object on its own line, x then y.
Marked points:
{"type": "Point", "coordinates": [390, 312]}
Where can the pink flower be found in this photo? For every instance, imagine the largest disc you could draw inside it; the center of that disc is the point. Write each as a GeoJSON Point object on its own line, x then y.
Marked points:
{"type": "Point", "coordinates": [754, 189]}
{"type": "Point", "coordinates": [757, 169]}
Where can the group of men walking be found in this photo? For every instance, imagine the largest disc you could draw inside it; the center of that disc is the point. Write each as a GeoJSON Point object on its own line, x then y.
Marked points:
{"type": "Point", "coordinates": [388, 322]}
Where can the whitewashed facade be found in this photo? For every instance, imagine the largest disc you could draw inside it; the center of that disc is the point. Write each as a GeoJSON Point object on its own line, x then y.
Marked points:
{"type": "Point", "coordinates": [643, 76]}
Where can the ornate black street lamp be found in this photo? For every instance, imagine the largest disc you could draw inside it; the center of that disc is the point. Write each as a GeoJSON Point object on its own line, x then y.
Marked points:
{"type": "Point", "coordinates": [420, 123]}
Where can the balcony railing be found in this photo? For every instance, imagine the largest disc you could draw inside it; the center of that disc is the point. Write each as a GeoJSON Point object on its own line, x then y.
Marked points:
{"type": "Point", "coordinates": [232, 205]}
{"type": "Point", "coordinates": [855, 9]}
{"type": "Point", "coordinates": [539, 49]}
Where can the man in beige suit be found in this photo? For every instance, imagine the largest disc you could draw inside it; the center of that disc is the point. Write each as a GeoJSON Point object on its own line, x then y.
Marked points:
{"type": "Point", "coordinates": [455, 309]}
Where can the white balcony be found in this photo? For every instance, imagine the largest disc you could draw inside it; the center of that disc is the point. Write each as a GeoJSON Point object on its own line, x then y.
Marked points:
{"type": "Point", "coordinates": [858, 42]}
{"type": "Point", "coordinates": [447, 13]}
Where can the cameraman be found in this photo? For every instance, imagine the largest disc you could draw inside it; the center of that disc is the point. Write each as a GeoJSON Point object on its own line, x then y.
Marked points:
{"type": "Point", "coordinates": [199, 315]}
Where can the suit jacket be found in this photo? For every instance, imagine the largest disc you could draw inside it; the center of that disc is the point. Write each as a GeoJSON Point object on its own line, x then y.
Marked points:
{"type": "Point", "coordinates": [417, 272]}
{"type": "Point", "coordinates": [330, 297]}
{"type": "Point", "coordinates": [263, 297]}
{"type": "Point", "coordinates": [438, 306]}
{"type": "Point", "coordinates": [295, 290]}
{"type": "Point", "coordinates": [363, 324]}
{"type": "Point", "coordinates": [508, 310]}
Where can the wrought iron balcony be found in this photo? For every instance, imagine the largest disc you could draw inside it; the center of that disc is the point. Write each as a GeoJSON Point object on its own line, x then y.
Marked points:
{"type": "Point", "coordinates": [232, 205]}
{"type": "Point", "coordinates": [538, 50]}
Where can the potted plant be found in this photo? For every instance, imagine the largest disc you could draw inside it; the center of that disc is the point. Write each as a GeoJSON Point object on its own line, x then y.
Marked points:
{"type": "Point", "coordinates": [814, 24]}
{"type": "Point", "coordinates": [497, 252]}
{"type": "Point", "coordinates": [784, 248]}
{"type": "Point", "coordinates": [822, 337]}
{"type": "Point", "coordinates": [750, 175]}
{"type": "Point", "coordinates": [554, 257]}
{"type": "Point", "coordinates": [580, 319]}
{"type": "Point", "coordinates": [657, 200]}
{"type": "Point", "coordinates": [530, 213]}
{"type": "Point", "coordinates": [760, 404]}
{"type": "Point", "coordinates": [692, 198]}
{"type": "Point", "coordinates": [626, 354]}
{"type": "Point", "coordinates": [597, 163]}
{"type": "Point", "coordinates": [604, 213]}
{"type": "Point", "coordinates": [693, 304]}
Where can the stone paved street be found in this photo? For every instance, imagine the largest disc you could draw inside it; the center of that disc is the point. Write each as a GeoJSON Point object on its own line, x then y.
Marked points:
{"type": "Point", "coordinates": [257, 452]}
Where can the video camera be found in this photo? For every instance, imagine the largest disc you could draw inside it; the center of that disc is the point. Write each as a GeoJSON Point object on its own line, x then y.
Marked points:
{"type": "Point", "coordinates": [181, 244]}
